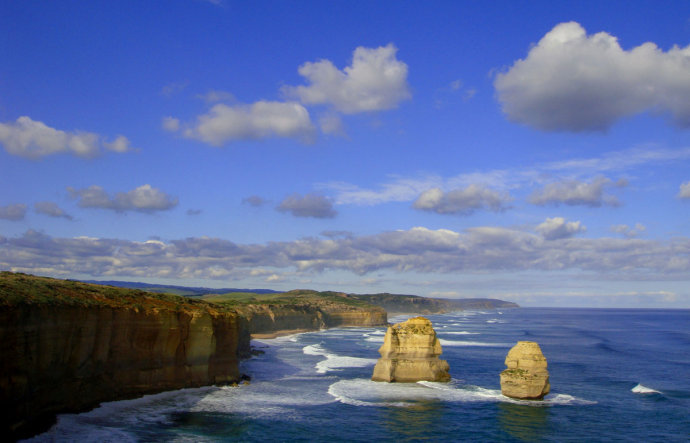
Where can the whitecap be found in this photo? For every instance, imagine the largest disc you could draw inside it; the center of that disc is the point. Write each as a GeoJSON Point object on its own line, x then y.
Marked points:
{"type": "Point", "coordinates": [473, 343]}
{"type": "Point", "coordinates": [641, 389]}
{"type": "Point", "coordinates": [335, 361]}
{"type": "Point", "coordinates": [461, 333]}
{"type": "Point", "coordinates": [363, 392]}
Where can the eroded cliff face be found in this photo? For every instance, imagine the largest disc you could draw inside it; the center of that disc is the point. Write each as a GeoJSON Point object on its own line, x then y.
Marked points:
{"type": "Point", "coordinates": [67, 358]}
{"type": "Point", "coordinates": [410, 353]}
{"type": "Point", "coordinates": [526, 377]}
{"type": "Point", "coordinates": [263, 319]}
{"type": "Point", "coordinates": [67, 346]}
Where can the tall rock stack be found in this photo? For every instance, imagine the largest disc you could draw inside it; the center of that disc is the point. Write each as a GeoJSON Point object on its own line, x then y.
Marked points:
{"type": "Point", "coordinates": [410, 353]}
{"type": "Point", "coordinates": [526, 377]}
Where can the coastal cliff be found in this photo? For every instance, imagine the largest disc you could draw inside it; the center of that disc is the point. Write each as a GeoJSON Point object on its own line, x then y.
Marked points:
{"type": "Point", "coordinates": [67, 346]}
{"type": "Point", "coordinates": [415, 304]}
{"type": "Point", "coordinates": [302, 310]}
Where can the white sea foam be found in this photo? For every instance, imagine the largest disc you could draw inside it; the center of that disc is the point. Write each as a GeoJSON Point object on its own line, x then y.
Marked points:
{"type": "Point", "coordinates": [377, 339]}
{"type": "Point", "coordinates": [641, 389]}
{"type": "Point", "coordinates": [363, 392]}
{"type": "Point", "coordinates": [495, 320]}
{"type": "Point", "coordinates": [461, 333]}
{"type": "Point", "coordinates": [334, 361]}
{"type": "Point", "coordinates": [473, 343]}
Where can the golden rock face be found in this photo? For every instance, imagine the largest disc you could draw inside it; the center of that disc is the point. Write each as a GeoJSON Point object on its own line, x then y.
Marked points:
{"type": "Point", "coordinates": [526, 377]}
{"type": "Point", "coordinates": [410, 353]}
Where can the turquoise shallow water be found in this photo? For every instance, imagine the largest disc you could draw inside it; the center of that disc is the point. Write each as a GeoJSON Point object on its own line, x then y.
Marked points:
{"type": "Point", "coordinates": [616, 375]}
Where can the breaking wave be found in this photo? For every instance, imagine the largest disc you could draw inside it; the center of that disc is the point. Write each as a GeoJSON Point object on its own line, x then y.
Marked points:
{"type": "Point", "coordinates": [364, 392]}
{"type": "Point", "coordinates": [641, 389]}
{"type": "Point", "coordinates": [334, 362]}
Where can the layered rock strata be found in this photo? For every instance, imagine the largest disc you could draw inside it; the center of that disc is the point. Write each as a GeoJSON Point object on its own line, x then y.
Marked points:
{"type": "Point", "coordinates": [410, 353]}
{"type": "Point", "coordinates": [262, 319]}
{"type": "Point", "coordinates": [67, 346]}
{"type": "Point", "coordinates": [526, 377]}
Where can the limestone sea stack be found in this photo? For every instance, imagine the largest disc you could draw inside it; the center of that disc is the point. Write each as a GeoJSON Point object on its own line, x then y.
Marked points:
{"type": "Point", "coordinates": [410, 353]}
{"type": "Point", "coordinates": [526, 377]}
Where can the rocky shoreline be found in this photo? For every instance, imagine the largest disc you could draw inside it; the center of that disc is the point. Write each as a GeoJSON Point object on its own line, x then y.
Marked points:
{"type": "Point", "coordinates": [68, 346]}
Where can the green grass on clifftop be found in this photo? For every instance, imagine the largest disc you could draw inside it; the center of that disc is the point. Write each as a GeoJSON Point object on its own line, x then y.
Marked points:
{"type": "Point", "coordinates": [295, 297]}
{"type": "Point", "coordinates": [22, 289]}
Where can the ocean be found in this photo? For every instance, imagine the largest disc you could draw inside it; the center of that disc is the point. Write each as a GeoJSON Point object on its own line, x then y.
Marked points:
{"type": "Point", "coordinates": [616, 375]}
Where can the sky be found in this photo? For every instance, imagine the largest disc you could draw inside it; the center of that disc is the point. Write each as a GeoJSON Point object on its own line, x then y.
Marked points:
{"type": "Point", "coordinates": [532, 151]}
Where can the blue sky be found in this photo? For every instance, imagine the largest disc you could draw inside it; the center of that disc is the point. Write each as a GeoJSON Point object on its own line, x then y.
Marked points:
{"type": "Point", "coordinates": [537, 152]}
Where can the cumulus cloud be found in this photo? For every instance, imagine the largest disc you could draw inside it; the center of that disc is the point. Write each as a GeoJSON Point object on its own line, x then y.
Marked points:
{"type": "Point", "coordinates": [376, 80]}
{"type": "Point", "coordinates": [254, 201]}
{"type": "Point", "coordinates": [13, 212]}
{"type": "Point", "coordinates": [51, 209]}
{"type": "Point", "coordinates": [309, 205]}
{"type": "Point", "coordinates": [570, 81]}
{"type": "Point", "coordinates": [120, 145]}
{"type": "Point", "coordinates": [684, 191]}
{"type": "Point", "coordinates": [481, 249]}
{"type": "Point", "coordinates": [142, 199]}
{"type": "Point", "coordinates": [577, 193]}
{"type": "Point", "coordinates": [34, 139]}
{"type": "Point", "coordinates": [263, 119]}
{"type": "Point", "coordinates": [556, 228]}
{"type": "Point", "coordinates": [462, 201]}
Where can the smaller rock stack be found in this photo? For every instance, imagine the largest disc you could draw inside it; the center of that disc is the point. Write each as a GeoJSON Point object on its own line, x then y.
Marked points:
{"type": "Point", "coordinates": [526, 377]}
{"type": "Point", "coordinates": [410, 353]}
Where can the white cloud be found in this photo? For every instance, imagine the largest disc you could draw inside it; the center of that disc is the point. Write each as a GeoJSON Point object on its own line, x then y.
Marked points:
{"type": "Point", "coordinates": [376, 80]}
{"type": "Point", "coordinates": [170, 124]}
{"type": "Point", "coordinates": [51, 209]}
{"type": "Point", "coordinates": [574, 192]}
{"type": "Point", "coordinates": [309, 205]}
{"type": "Point", "coordinates": [627, 231]}
{"type": "Point", "coordinates": [120, 145]}
{"type": "Point", "coordinates": [142, 199]}
{"type": "Point", "coordinates": [556, 228]}
{"type": "Point", "coordinates": [684, 191]}
{"type": "Point", "coordinates": [263, 119]}
{"type": "Point", "coordinates": [13, 212]}
{"type": "Point", "coordinates": [34, 139]}
{"type": "Point", "coordinates": [480, 249]}
{"type": "Point", "coordinates": [404, 189]}
{"type": "Point", "coordinates": [462, 201]}
{"type": "Point", "coordinates": [570, 81]}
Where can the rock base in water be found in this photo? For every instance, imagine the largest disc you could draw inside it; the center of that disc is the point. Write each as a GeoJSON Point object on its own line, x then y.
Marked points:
{"type": "Point", "coordinates": [410, 353]}
{"type": "Point", "coordinates": [526, 377]}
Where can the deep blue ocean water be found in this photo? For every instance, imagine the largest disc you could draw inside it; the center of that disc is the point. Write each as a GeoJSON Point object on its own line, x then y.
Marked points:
{"type": "Point", "coordinates": [616, 375]}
